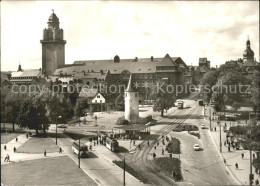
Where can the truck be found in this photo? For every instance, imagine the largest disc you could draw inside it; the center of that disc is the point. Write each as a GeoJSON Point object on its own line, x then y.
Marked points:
{"type": "Point", "coordinates": [180, 105]}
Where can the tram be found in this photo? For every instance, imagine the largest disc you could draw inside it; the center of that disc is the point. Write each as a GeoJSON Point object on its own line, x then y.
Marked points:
{"type": "Point", "coordinates": [112, 144]}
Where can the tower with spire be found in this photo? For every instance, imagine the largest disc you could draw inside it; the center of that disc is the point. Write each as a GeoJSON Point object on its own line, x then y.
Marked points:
{"type": "Point", "coordinates": [248, 54]}
{"type": "Point", "coordinates": [131, 103]}
{"type": "Point", "coordinates": [53, 46]}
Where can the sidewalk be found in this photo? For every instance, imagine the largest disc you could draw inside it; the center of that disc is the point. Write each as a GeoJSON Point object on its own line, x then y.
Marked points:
{"type": "Point", "coordinates": [17, 157]}
{"type": "Point", "coordinates": [234, 156]}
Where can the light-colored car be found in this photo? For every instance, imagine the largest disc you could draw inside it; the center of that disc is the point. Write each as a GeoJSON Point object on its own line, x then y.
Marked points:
{"type": "Point", "coordinates": [202, 126]}
{"type": "Point", "coordinates": [196, 147]}
{"type": "Point", "coordinates": [62, 126]}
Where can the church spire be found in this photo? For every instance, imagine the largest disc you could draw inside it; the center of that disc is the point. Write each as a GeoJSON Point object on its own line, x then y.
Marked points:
{"type": "Point", "coordinates": [19, 68]}
{"type": "Point", "coordinates": [129, 86]}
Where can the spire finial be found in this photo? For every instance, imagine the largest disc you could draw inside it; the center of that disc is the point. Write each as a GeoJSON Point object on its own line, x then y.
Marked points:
{"type": "Point", "coordinates": [52, 11]}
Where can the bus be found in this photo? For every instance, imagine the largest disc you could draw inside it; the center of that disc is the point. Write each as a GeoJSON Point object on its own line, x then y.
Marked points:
{"type": "Point", "coordinates": [201, 103]}
{"type": "Point", "coordinates": [84, 147]}
{"type": "Point", "coordinates": [112, 144]}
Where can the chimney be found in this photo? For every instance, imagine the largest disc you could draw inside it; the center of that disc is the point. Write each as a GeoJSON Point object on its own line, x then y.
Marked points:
{"type": "Point", "coordinates": [136, 59]}
{"type": "Point", "coordinates": [116, 59]}
{"type": "Point", "coordinates": [151, 58]}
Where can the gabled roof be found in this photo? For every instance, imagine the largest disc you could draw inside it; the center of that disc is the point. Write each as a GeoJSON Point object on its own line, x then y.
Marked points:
{"type": "Point", "coordinates": [88, 92]}
{"type": "Point", "coordinates": [27, 73]}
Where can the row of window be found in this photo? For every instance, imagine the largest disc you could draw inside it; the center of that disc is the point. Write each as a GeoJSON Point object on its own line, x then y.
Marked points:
{"type": "Point", "coordinates": [28, 77]}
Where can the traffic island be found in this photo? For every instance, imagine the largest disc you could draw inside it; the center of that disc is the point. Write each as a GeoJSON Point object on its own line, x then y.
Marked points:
{"type": "Point", "coordinates": [132, 171]}
{"type": "Point", "coordinates": [170, 166]}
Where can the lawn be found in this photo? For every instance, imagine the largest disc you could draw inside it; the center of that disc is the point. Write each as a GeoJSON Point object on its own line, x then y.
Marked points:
{"type": "Point", "coordinates": [167, 165]}
{"type": "Point", "coordinates": [5, 138]}
{"type": "Point", "coordinates": [174, 146]}
{"type": "Point", "coordinates": [49, 171]}
{"type": "Point", "coordinates": [37, 145]}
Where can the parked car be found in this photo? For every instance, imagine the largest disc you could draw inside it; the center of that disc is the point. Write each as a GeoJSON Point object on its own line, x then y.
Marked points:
{"type": "Point", "coordinates": [202, 126]}
{"type": "Point", "coordinates": [188, 106]}
{"type": "Point", "coordinates": [196, 147]}
{"type": "Point", "coordinates": [62, 126]}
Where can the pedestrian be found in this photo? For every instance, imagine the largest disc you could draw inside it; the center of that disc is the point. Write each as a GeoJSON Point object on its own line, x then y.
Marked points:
{"type": "Point", "coordinates": [134, 142]}
{"type": "Point", "coordinates": [60, 150]}
{"type": "Point", "coordinates": [148, 143]}
{"type": "Point", "coordinates": [253, 156]}
{"type": "Point", "coordinates": [236, 166]}
{"type": "Point", "coordinates": [225, 143]}
{"type": "Point", "coordinates": [139, 147]}
{"type": "Point", "coordinates": [154, 155]}
{"type": "Point", "coordinates": [242, 155]}
{"type": "Point", "coordinates": [94, 143]}
{"type": "Point", "coordinates": [16, 139]}
{"type": "Point", "coordinates": [90, 147]}
{"type": "Point", "coordinates": [140, 137]}
{"type": "Point", "coordinates": [14, 149]}
{"type": "Point", "coordinates": [225, 162]}
{"type": "Point", "coordinates": [162, 151]}
{"type": "Point", "coordinates": [5, 147]}
{"type": "Point", "coordinates": [163, 142]}
{"type": "Point", "coordinates": [257, 182]}
{"type": "Point", "coordinates": [27, 135]}
{"type": "Point", "coordinates": [97, 142]}
{"type": "Point", "coordinates": [154, 147]}
{"type": "Point", "coordinates": [162, 136]}
{"type": "Point", "coordinates": [6, 158]}
{"type": "Point", "coordinates": [233, 146]}
{"type": "Point", "coordinates": [228, 148]}
{"type": "Point", "coordinates": [158, 143]}
{"type": "Point", "coordinates": [45, 153]}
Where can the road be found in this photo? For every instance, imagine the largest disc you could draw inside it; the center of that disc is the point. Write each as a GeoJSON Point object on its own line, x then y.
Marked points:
{"type": "Point", "coordinates": [203, 167]}
{"type": "Point", "coordinates": [139, 160]}
{"type": "Point", "coordinates": [99, 169]}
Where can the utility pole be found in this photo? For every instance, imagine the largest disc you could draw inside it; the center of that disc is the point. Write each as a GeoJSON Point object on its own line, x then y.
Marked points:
{"type": "Point", "coordinates": [124, 172]}
{"type": "Point", "coordinates": [220, 143]}
{"type": "Point", "coordinates": [210, 119]}
{"type": "Point", "coordinates": [251, 175]}
{"type": "Point", "coordinates": [79, 153]}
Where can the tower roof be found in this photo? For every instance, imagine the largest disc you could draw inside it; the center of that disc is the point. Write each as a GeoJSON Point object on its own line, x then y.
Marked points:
{"type": "Point", "coordinates": [129, 86]}
{"type": "Point", "coordinates": [248, 53]}
{"type": "Point", "coordinates": [53, 17]}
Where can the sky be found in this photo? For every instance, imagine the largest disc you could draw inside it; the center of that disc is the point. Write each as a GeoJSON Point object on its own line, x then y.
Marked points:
{"type": "Point", "coordinates": [96, 30]}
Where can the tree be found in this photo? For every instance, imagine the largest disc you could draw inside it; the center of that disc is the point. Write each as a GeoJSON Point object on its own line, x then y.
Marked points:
{"type": "Point", "coordinates": [229, 89]}
{"type": "Point", "coordinates": [81, 105]}
{"type": "Point", "coordinates": [12, 111]}
{"type": "Point", "coordinates": [255, 91]}
{"type": "Point", "coordinates": [120, 102]}
{"type": "Point", "coordinates": [164, 96]}
{"type": "Point", "coordinates": [33, 115]}
{"type": "Point", "coordinates": [207, 82]}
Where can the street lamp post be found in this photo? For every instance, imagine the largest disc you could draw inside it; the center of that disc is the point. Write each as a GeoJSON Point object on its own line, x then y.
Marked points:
{"type": "Point", "coordinates": [56, 129]}
{"type": "Point", "coordinates": [124, 172]}
{"type": "Point", "coordinates": [79, 153]}
{"type": "Point", "coordinates": [210, 119]}
{"type": "Point", "coordinates": [220, 143]}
